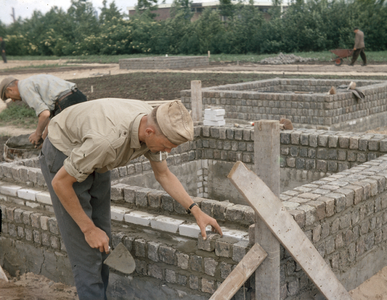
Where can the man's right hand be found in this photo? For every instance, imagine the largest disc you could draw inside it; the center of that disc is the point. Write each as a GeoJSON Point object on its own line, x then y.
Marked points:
{"type": "Point", "coordinates": [34, 139]}
{"type": "Point", "coordinates": [97, 238]}
{"type": "Point", "coordinates": [63, 187]}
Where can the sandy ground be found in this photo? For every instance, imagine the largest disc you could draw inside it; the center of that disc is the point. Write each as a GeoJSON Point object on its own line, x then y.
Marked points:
{"type": "Point", "coordinates": [31, 286]}
{"type": "Point", "coordinates": [13, 131]}
{"type": "Point", "coordinates": [374, 288]}
{"type": "Point", "coordinates": [95, 70]}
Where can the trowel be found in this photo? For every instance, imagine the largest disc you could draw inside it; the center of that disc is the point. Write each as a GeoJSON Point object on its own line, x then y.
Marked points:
{"type": "Point", "coordinates": [121, 260]}
{"type": "Point", "coordinates": [2, 275]}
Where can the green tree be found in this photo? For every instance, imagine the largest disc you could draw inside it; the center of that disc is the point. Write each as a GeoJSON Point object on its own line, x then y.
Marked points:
{"type": "Point", "coordinates": [3, 29]}
{"type": "Point", "coordinates": [226, 8]}
{"type": "Point", "coordinates": [147, 7]}
{"type": "Point", "coordinates": [242, 31]}
{"type": "Point", "coordinates": [57, 33]}
{"type": "Point", "coordinates": [109, 13]}
{"type": "Point", "coordinates": [207, 30]}
{"type": "Point", "coordinates": [183, 7]}
{"type": "Point", "coordinates": [84, 25]}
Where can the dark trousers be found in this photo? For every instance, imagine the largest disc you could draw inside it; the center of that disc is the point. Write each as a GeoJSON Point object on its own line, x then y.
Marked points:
{"type": "Point", "coordinates": [76, 97]}
{"type": "Point", "coordinates": [355, 55]}
{"type": "Point", "coordinates": [3, 56]}
{"type": "Point", "coordinates": [90, 274]}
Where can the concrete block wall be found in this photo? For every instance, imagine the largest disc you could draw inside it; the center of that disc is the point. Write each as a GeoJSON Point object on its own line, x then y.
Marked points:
{"type": "Point", "coordinates": [313, 108]}
{"type": "Point", "coordinates": [162, 62]}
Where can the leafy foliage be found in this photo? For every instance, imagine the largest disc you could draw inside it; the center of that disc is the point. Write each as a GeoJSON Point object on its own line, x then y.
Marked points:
{"type": "Point", "coordinates": [306, 25]}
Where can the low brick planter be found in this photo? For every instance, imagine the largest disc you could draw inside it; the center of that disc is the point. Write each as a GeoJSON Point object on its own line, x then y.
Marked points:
{"type": "Point", "coordinates": [162, 62]}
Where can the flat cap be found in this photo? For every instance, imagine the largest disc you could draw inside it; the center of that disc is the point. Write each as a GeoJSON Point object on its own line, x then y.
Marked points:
{"type": "Point", "coordinates": [4, 84]}
{"type": "Point", "coordinates": [175, 122]}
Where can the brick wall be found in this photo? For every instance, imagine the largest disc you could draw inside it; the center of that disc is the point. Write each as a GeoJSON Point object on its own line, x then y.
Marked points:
{"type": "Point", "coordinates": [174, 62]}
{"type": "Point", "coordinates": [313, 107]}
{"type": "Point", "coordinates": [344, 214]}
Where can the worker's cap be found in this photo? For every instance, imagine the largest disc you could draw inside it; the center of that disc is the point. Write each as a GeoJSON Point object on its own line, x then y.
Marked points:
{"type": "Point", "coordinates": [175, 122]}
{"type": "Point", "coordinates": [4, 84]}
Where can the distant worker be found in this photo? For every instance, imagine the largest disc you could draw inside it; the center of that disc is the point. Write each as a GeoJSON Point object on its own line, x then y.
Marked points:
{"type": "Point", "coordinates": [2, 49]}
{"type": "Point", "coordinates": [46, 94]}
{"type": "Point", "coordinates": [359, 47]}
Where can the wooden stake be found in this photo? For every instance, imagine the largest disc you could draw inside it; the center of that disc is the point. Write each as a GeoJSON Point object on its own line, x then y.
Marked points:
{"type": "Point", "coordinates": [196, 101]}
{"type": "Point", "coordinates": [286, 230]}
{"type": "Point", "coordinates": [267, 167]}
{"type": "Point", "coordinates": [240, 274]}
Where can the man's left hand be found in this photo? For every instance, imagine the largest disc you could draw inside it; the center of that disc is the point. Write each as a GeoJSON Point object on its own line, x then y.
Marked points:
{"type": "Point", "coordinates": [202, 219]}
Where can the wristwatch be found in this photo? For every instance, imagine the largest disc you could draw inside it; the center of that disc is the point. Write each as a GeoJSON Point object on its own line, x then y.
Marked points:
{"type": "Point", "coordinates": [188, 210]}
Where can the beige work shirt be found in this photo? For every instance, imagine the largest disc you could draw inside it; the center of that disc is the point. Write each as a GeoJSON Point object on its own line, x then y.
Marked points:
{"type": "Point", "coordinates": [100, 135]}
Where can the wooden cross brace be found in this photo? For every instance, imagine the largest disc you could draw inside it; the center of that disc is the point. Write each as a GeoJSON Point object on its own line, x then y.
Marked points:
{"type": "Point", "coordinates": [286, 230]}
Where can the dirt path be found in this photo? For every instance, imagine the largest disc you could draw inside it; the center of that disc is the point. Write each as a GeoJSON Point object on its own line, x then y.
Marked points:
{"type": "Point", "coordinates": [13, 131]}
{"type": "Point", "coordinates": [73, 71]}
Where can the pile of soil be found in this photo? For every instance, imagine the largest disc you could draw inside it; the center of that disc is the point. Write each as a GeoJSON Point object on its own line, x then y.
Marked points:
{"type": "Point", "coordinates": [30, 286]}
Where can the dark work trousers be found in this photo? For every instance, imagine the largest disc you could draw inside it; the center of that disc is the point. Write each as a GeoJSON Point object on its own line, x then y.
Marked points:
{"type": "Point", "coordinates": [4, 56]}
{"type": "Point", "coordinates": [90, 274]}
{"type": "Point", "coordinates": [76, 97]}
{"type": "Point", "coordinates": [355, 55]}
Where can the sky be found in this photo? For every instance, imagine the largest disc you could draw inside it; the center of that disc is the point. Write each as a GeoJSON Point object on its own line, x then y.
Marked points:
{"type": "Point", "coordinates": [25, 8]}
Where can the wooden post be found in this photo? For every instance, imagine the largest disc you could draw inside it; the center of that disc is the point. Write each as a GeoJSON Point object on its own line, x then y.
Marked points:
{"type": "Point", "coordinates": [267, 167]}
{"type": "Point", "coordinates": [196, 101]}
{"type": "Point", "coordinates": [282, 225]}
{"type": "Point", "coordinates": [249, 263]}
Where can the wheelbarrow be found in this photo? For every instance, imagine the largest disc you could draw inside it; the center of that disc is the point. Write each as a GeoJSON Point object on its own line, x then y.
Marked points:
{"type": "Point", "coordinates": [340, 54]}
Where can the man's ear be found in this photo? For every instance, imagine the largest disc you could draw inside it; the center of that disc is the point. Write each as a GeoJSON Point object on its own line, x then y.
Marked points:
{"type": "Point", "coordinates": [149, 131]}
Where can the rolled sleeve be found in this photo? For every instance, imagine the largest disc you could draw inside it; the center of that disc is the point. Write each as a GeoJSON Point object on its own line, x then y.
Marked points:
{"type": "Point", "coordinates": [94, 153]}
{"type": "Point", "coordinates": [33, 99]}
